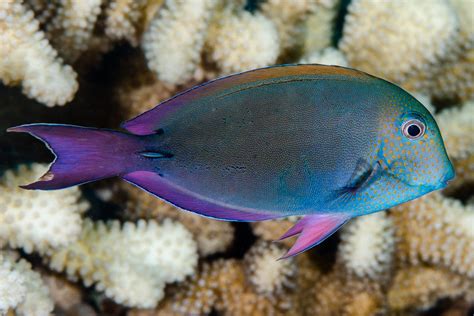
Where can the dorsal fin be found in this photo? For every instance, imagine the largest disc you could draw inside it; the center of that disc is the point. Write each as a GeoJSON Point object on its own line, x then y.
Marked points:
{"type": "Point", "coordinates": [149, 122]}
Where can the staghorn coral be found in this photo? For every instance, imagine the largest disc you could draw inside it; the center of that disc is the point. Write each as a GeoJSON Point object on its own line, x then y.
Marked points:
{"type": "Point", "coordinates": [327, 56]}
{"type": "Point", "coordinates": [421, 287]}
{"type": "Point", "coordinates": [242, 41]}
{"type": "Point", "coordinates": [437, 230]}
{"type": "Point", "coordinates": [36, 220]}
{"type": "Point", "coordinates": [368, 245]}
{"type": "Point", "coordinates": [265, 273]}
{"type": "Point", "coordinates": [175, 37]}
{"type": "Point", "coordinates": [456, 125]}
{"type": "Point", "coordinates": [416, 36]}
{"type": "Point", "coordinates": [130, 263]}
{"type": "Point", "coordinates": [211, 236]}
{"type": "Point", "coordinates": [28, 59]}
{"type": "Point", "coordinates": [21, 288]}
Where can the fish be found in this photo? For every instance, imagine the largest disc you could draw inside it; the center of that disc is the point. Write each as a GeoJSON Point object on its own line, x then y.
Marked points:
{"type": "Point", "coordinates": [326, 143]}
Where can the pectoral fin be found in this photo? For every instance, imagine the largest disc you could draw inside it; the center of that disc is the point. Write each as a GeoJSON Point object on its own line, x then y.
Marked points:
{"type": "Point", "coordinates": [312, 230]}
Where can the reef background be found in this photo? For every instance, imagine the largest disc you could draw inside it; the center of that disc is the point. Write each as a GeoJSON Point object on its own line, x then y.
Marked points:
{"type": "Point", "coordinates": [107, 248]}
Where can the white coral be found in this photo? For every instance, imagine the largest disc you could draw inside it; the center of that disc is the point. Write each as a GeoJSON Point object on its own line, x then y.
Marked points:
{"type": "Point", "coordinates": [37, 220]}
{"type": "Point", "coordinates": [243, 41]}
{"type": "Point", "coordinates": [26, 57]}
{"type": "Point", "coordinates": [319, 27]}
{"type": "Point", "coordinates": [21, 289]}
{"type": "Point", "coordinates": [122, 19]}
{"type": "Point", "coordinates": [327, 56]}
{"type": "Point", "coordinates": [268, 275]}
{"type": "Point", "coordinates": [71, 28]}
{"type": "Point", "coordinates": [367, 245]}
{"type": "Point", "coordinates": [457, 127]}
{"type": "Point", "coordinates": [173, 42]}
{"type": "Point", "coordinates": [131, 264]}
{"type": "Point", "coordinates": [288, 17]}
{"type": "Point", "coordinates": [436, 230]}
{"type": "Point", "coordinates": [397, 39]}
{"type": "Point", "coordinates": [12, 286]}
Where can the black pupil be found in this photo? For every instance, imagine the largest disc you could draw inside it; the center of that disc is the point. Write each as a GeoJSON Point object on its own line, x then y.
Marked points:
{"type": "Point", "coordinates": [414, 130]}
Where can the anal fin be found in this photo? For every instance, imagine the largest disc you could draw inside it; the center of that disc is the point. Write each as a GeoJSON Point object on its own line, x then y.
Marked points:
{"type": "Point", "coordinates": [312, 230]}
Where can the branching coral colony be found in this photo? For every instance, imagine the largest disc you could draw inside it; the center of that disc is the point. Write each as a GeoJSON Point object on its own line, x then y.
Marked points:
{"type": "Point", "coordinates": [402, 261]}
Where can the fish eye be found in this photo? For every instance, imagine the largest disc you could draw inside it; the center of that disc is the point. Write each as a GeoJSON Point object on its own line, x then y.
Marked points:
{"type": "Point", "coordinates": [413, 129]}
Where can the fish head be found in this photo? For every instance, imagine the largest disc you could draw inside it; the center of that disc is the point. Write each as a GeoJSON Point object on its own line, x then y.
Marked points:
{"type": "Point", "coordinates": [412, 148]}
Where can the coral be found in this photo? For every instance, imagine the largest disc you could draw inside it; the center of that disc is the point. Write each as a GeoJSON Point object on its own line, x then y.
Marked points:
{"type": "Point", "coordinates": [37, 220]}
{"type": "Point", "coordinates": [12, 287]}
{"type": "Point", "coordinates": [437, 230]}
{"type": "Point", "coordinates": [143, 98]}
{"type": "Point", "coordinates": [265, 273]}
{"type": "Point", "coordinates": [288, 18]}
{"type": "Point", "coordinates": [368, 245]}
{"type": "Point", "coordinates": [455, 79]}
{"type": "Point", "coordinates": [227, 288]}
{"type": "Point", "coordinates": [174, 39]}
{"type": "Point", "coordinates": [457, 129]}
{"type": "Point", "coordinates": [70, 30]}
{"type": "Point", "coordinates": [273, 230]}
{"type": "Point", "coordinates": [123, 19]}
{"type": "Point", "coordinates": [420, 287]}
{"type": "Point", "coordinates": [211, 236]}
{"type": "Point", "coordinates": [327, 56]}
{"type": "Point", "coordinates": [335, 294]}
{"type": "Point", "coordinates": [319, 27]}
{"type": "Point", "coordinates": [242, 41]}
{"type": "Point", "coordinates": [130, 263]}
{"type": "Point", "coordinates": [416, 35]}
{"type": "Point", "coordinates": [26, 57]}
{"type": "Point", "coordinates": [64, 294]}
{"type": "Point", "coordinates": [22, 289]}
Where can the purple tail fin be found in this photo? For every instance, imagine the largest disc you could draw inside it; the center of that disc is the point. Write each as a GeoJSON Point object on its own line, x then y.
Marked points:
{"type": "Point", "coordinates": [82, 154]}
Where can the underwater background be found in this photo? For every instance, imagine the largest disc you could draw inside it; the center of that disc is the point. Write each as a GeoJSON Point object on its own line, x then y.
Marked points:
{"type": "Point", "coordinates": [109, 248]}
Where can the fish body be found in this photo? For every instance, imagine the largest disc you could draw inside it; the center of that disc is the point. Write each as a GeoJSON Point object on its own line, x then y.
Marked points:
{"type": "Point", "coordinates": [327, 142]}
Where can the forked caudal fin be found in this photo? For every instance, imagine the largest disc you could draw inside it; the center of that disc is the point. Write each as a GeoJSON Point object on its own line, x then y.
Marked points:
{"type": "Point", "coordinates": [312, 230]}
{"type": "Point", "coordinates": [82, 154]}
